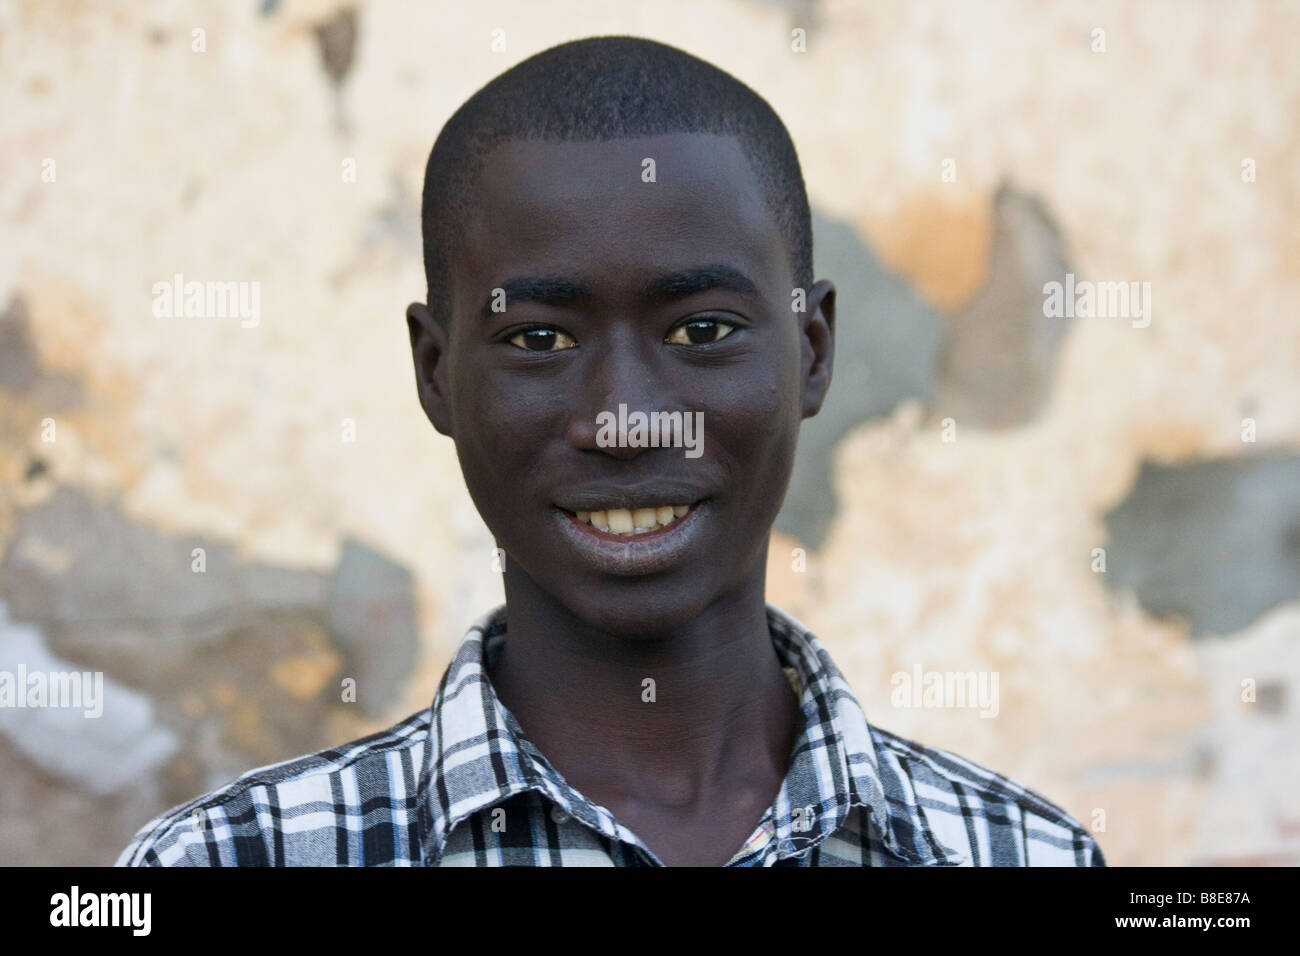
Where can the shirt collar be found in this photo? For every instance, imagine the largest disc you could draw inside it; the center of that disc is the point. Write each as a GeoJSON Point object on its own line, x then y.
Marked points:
{"type": "Point", "coordinates": [478, 756]}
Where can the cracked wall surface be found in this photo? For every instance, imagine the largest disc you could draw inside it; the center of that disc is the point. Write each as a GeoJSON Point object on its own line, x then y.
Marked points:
{"type": "Point", "coordinates": [1101, 511]}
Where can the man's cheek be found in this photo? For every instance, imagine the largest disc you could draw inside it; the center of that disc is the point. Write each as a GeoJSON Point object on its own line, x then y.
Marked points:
{"type": "Point", "coordinates": [495, 425]}
{"type": "Point", "coordinates": [754, 398]}
{"type": "Point", "coordinates": [747, 437]}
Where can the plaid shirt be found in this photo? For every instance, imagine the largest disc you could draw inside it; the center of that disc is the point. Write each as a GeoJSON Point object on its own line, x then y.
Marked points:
{"type": "Point", "coordinates": [458, 784]}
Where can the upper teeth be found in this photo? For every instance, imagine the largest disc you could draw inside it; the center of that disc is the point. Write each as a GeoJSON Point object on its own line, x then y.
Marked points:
{"type": "Point", "coordinates": [633, 520]}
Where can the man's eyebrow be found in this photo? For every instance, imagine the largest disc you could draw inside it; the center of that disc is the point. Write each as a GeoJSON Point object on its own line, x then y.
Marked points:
{"type": "Point", "coordinates": [548, 290]}
{"type": "Point", "coordinates": [678, 285]}
{"type": "Point", "coordinates": [560, 291]}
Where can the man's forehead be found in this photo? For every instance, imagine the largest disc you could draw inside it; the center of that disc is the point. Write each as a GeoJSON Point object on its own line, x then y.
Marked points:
{"type": "Point", "coordinates": [690, 153]}
{"type": "Point", "coordinates": [547, 205]}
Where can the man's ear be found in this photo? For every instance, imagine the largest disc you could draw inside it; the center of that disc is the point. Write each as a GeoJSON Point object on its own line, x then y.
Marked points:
{"type": "Point", "coordinates": [817, 332]}
{"type": "Point", "coordinates": [429, 351]}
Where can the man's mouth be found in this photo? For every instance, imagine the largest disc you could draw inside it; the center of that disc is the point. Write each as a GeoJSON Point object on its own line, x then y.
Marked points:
{"type": "Point", "coordinates": [634, 541]}
{"type": "Point", "coordinates": [633, 522]}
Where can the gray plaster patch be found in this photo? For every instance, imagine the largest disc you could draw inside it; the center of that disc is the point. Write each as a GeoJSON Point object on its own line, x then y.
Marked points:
{"type": "Point", "coordinates": [18, 365]}
{"type": "Point", "coordinates": [336, 39]}
{"type": "Point", "coordinates": [114, 593]}
{"type": "Point", "coordinates": [1000, 354]}
{"type": "Point", "coordinates": [887, 344]}
{"type": "Point", "coordinates": [200, 676]}
{"type": "Point", "coordinates": [20, 368]}
{"type": "Point", "coordinates": [371, 611]}
{"type": "Point", "coordinates": [989, 364]}
{"type": "Point", "coordinates": [102, 736]}
{"type": "Point", "coordinates": [1216, 543]}
{"type": "Point", "coordinates": [87, 574]}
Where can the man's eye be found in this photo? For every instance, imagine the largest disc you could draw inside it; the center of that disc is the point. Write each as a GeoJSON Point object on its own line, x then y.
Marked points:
{"type": "Point", "coordinates": [699, 332]}
{"type": "Point", "coordinates": [542, 340]}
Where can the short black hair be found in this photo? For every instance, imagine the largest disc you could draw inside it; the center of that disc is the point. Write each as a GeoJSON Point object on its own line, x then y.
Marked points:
{"type": "Point", "coordinates": [605, 88]}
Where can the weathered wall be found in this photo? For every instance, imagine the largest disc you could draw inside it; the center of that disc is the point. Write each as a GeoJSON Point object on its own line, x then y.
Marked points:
{"type": "Point", "coordinates": [950, 499]}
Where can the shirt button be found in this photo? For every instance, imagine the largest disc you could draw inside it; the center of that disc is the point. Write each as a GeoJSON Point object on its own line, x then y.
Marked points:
{"type": "Point", "coordinates": [559, 816]}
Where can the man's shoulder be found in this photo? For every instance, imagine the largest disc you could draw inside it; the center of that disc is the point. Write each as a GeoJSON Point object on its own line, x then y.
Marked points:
{"type": "Point", "coordinates": [322, 809]}
{"type": "Point", "coordinates": [987, 817]}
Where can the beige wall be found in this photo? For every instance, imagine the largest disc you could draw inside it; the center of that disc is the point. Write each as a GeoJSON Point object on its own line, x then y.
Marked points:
{"type": "Point", "coordinates": [972, 554]}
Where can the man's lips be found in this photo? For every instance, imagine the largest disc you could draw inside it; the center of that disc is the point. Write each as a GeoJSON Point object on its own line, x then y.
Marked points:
{"type": "Point", "coordinates": [629, 494]}
{"type": "Point", "coordinates": [634, 554]}
{"type": "Point", "coordinates": [636, 522]}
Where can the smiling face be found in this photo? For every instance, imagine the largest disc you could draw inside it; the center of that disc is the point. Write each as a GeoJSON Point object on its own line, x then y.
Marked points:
{"type": "Point", "coordinates": [665, 296]}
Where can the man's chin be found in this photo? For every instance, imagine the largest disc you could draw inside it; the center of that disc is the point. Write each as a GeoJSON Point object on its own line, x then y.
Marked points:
{"type": "Point", "coordinates": [641, 615]}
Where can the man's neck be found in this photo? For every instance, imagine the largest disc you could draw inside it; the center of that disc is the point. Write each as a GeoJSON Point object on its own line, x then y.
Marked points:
{"type": "Point", "coordinates": [718, 721]}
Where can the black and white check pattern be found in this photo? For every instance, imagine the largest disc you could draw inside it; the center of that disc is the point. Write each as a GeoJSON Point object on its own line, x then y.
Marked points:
{"type": "Point", "coordinates": [458, 784]}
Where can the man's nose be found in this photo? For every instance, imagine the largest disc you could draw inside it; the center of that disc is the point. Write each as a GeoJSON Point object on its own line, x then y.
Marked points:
{"type": "Point", "coordinates": [618, 377]}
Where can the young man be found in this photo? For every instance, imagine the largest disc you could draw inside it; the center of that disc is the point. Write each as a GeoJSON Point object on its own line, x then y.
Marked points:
{"type": "Point", "coordinates": [616, 229]}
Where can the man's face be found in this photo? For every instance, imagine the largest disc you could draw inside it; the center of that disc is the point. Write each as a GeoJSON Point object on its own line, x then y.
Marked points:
{"type": "Point", "coordinates": [664, 296]}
